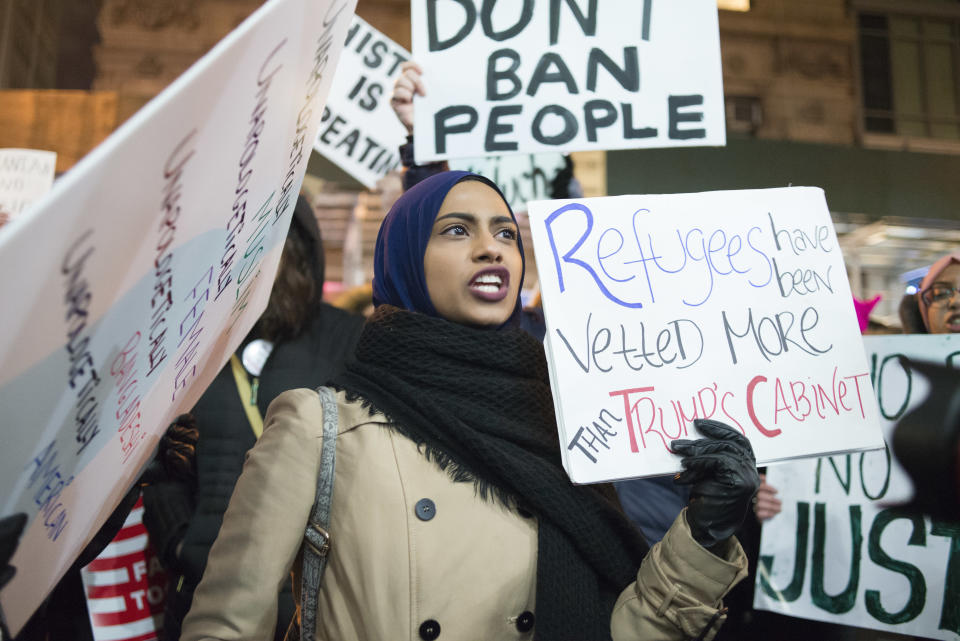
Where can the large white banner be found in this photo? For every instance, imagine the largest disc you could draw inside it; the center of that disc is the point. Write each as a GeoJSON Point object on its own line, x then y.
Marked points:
{"type": "Point", "coordinates": [566, 75]}
{"type": "Point", "coordinates": [141, 271]}
{"type": "Point", "coordinates": [841, 551]}
{"type": "Point", "coordinates": [728, 305]}
{"type": "Point", "coordinates": [359, 131]}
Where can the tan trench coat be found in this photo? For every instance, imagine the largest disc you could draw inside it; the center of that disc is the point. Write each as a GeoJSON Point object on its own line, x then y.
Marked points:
{"type": "Point", "coordinates": [465, 568]}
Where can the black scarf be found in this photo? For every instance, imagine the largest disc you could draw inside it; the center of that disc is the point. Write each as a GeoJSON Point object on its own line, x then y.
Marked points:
{"type": "Point", "coordinates": [479, 403]}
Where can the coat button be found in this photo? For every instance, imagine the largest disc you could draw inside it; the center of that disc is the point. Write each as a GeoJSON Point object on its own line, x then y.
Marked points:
{"type": "Point", "coordinates": [525, 621]}
{"type": "Point", "coordinates": [425, 510]}
{"type": "Point", "coordinates": [429, 629]}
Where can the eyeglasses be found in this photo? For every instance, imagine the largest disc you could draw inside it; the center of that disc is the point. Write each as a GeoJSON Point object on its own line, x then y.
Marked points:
{"type": "Point", "coordinates": [938, 293]}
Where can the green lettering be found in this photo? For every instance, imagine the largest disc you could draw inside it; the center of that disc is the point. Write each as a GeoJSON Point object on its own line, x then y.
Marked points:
{"type": "Point", "coordinates": [765, 565]}
{"type": "Point", "coordinates": [845, 599]}
{"type": "Point", "coordinates": [844, 483]}
{"type": "Point", "coordinates": [918, 587]}
{"type": "Point", "coordinates": [950, 610]}
{"type": "Point", "coordinates": [886, 479]}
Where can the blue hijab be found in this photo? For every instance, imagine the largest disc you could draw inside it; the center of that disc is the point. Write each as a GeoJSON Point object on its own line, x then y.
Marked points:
{"type": "Point", "coordinates": [398, 274]}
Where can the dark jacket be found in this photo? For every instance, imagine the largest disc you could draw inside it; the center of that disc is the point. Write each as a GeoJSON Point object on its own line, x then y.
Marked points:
{"type": "Point", "coordinates": [182, 510]}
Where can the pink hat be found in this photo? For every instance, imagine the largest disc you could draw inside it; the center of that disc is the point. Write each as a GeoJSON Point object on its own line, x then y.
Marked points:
{"type": "Point", "coordinates": [935, 270]}
{"type": "Point", "coordinates": [864, 307]}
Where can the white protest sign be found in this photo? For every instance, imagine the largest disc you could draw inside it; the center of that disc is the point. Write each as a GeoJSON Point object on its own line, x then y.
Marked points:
{"type": "Point", "coordinates": [840, 551]}
{"type": "Point", "coordinates": [727, 305]}
{"type": "Point", "coordinates": [359, 131]}
{"type": "Point", "coordinates": [25, 176]}
{"type": "Point", "coordinates": [142, 270]}
{"type": "Point", "coordinates": [566, 75]}
{"type": "Point", "coordinates": [521, 177]}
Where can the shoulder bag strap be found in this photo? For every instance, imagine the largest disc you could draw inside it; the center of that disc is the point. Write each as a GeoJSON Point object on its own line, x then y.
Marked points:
{"type": "Point", "coordinates": [317, 537]}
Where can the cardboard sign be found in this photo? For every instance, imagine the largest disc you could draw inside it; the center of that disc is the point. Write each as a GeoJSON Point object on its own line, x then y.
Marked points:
{"type": "Point", "coordinates": [125, 586]}
{"type": "Point", "coordinates": [566, 75]}
{"type": "Point", "coordinates": [143, 269]}
{"type": "Point", "coordinates": [726, 305]}
{"type": "Point", "coordinates": [359, 131]}
{"type": "Point", "coordinates": [521, 178]}
{"type": "Point", "coordinates": [840, 551]}
{"type": "Point", "coordinates": [25, 176]}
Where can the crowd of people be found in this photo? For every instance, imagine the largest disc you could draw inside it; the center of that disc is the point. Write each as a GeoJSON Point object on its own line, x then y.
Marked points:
{"type": "Point", "coordinates": [405, 468]}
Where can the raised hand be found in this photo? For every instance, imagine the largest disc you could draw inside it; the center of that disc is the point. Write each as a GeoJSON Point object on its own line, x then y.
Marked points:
{"type": "Point", "coordinates": [722, 471]}
{"type": "Point", "coordinates": [408, 84]}
{"type": "Point", "coordinates": [766, 505]}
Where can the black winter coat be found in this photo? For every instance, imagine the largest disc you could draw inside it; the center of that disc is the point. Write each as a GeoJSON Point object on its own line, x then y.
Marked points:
{"type": "Point", "coordinates": [225, 436]}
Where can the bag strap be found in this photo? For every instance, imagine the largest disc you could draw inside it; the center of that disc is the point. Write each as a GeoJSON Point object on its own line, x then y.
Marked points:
{"type": "Point", "coordinates": [247, 397]}
{"type": "Point", "coordinates": [317, 537]}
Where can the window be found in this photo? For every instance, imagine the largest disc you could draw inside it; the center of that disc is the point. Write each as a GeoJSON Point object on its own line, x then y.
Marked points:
{"type": "Point", "coordinates": [28, 43]}
{"type": "Point", "coordinates": [910, 82]}
{"type": "Point", "coordinates": [744, 114]}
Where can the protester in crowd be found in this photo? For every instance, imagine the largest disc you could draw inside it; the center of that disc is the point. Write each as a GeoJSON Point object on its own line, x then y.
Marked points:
{"type": "Point", "coordinates": [299, 341]}
{"type": "Point", "coordinates": [911, 321]}
{"type": "Point", "coordinates": [564, 185]}
{"type": "Point", "coordinates": [938, 299]}
{"type": "Point", "coordinates": [451, 513]}
{"type": "Point", "coordinates": [652, 504]}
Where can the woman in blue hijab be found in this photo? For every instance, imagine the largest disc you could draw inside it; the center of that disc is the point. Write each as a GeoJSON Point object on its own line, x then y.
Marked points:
{"type": "Point", "coordinates": [451, 514]}
{"type": "Point", "coordinates": [398, 264]}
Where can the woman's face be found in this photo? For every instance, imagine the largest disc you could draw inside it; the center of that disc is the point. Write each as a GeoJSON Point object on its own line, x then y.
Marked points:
{"type": "Point", "coordinates": [472, 263]}
{"type": "Point", "coordinates": [943, 301]}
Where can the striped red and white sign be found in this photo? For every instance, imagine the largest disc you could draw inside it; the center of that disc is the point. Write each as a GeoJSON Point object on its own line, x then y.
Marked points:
{"type": "Point", "coordinates": [125, 586]}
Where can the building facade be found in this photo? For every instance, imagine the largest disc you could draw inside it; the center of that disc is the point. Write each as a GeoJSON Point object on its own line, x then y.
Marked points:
{"type": "Point", "coordinates": [859, 97]}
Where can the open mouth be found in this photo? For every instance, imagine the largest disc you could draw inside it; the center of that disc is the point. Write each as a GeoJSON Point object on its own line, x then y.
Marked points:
{"type": "Point", "coordinates": [953, 322]}
{"type": "Point", "coordinates": [491, 284]}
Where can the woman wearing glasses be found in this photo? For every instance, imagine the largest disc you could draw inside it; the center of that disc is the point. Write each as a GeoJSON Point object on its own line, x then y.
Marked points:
{"type": "Point", "coordinates": [939, 297]}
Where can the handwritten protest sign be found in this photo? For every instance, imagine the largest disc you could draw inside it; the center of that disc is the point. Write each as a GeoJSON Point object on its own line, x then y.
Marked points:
{"type": "Point", "coordinates": [726, 305]}
{"type": "Point", "coordinates": [566, 75]}
{"type": "Point", "coordinates": [840, 551]}
{"type": "Point", "coordinates": [25, 176]}
{"type": "Point", "coordinates": [361, 134]}
{"type": "Point", "coordinates": [125, 585]}
{"type": "Point", "coordinates": [521, 178]}
{"type": "Point", "coordinates": [359, 131]}
{"type": "Point", "coordinates": [141, 272]}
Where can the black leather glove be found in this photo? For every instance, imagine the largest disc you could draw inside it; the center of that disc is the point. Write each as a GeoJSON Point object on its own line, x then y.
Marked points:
{"type": "Point", "coordinates": [723, 474]}
{"type": "Point", "coordinates": [178, 449]}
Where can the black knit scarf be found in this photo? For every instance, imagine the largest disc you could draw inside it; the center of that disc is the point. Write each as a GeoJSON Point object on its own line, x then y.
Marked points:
{"type": "Point", "coordinates": [478, 402]}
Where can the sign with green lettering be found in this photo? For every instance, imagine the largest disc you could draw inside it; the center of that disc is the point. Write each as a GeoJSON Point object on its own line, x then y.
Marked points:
{"type": "Point", "coordinates": [840, 551]}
